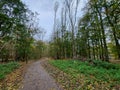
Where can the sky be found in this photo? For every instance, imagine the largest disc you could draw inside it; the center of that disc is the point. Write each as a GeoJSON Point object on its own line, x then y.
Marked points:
{"type": "Point", "coordinates": [45, 9]}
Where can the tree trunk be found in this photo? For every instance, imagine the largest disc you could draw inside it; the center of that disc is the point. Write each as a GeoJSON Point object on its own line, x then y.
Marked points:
{"type": "Point", "coordinates": [106, 57]}
{"type": "Point", "coordinates": [114, 33]}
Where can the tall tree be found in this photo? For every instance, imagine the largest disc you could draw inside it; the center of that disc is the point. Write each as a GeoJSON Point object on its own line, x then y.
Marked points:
{"type": "Point", "coordinates": [112, 8]}
{"type": "Point", "coordinates": [71, 4]}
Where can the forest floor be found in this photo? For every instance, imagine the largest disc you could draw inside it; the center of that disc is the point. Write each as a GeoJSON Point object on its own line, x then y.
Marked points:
{"type": "Point", "coordinates": [30, 76]}
{"type": "Point", "coordinates": [41, 75]}
{"type": "Point", "coordinates": [13, 80]}
{"type": "Point", "coordinates": [75, 75]}
{"type": "Point", "coordinates": [36, 78]}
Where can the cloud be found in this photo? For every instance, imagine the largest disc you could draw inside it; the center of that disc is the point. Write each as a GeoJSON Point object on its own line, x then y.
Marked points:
{"type": "Point", "coordinates": [46, 13]}
{"type": "Point", "coordinates": [46, 10]}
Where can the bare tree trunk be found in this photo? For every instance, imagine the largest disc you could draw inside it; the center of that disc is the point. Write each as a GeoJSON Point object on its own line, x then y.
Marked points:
{"type": "Point", "coordinates": [89, 52]}
{"type": "Point", "coordinates": [114, 33]}
{"type": "Point", "coordinates": [72, 18]}
{"type": "Point", "coordinates": [106, 58]}
{"type": "Point", "coordinates": [54, 29]}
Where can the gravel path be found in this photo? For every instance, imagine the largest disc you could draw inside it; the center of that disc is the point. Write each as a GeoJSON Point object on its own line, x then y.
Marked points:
{"type": "Point", "coordinates": [36, 78]}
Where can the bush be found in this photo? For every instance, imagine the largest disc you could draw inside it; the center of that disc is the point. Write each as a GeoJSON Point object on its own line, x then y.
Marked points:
{"type": "Point", "coordinates": [106, 65]}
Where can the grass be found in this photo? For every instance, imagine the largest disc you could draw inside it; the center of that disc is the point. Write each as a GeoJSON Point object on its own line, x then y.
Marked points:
{"type": "Point", "coordinates": [95, 71]}
{"type": "Point", "coordinates": [7, 68]}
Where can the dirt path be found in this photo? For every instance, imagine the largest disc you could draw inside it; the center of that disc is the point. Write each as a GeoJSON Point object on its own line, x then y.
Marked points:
{"type": "Point", "coordinates": [36, 78]}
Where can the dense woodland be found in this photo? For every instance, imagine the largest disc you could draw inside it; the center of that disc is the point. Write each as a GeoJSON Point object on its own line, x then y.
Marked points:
{"type": "Point", "coordinates": [85, 42]}
{"type": "Point", "coordinates": [18, 26]}
{"type": "Point", "coordinates": [95, 35]}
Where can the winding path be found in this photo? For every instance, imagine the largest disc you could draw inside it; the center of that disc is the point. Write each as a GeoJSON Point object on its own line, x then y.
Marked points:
{"type": "Point", "coordinates": [36, 78]}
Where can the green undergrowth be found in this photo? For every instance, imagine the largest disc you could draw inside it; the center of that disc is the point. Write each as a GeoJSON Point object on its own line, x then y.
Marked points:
{"type": "Point", "coordinates": [7, 68]}
{"type": "Point", "coordinates": [94, 71]}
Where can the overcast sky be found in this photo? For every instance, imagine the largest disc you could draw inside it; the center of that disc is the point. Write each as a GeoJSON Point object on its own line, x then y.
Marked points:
{"type": "Point", "coordinates": [46, 10]}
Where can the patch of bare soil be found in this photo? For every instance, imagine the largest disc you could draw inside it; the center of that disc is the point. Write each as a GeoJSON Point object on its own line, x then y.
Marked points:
{"type": "Point", "coordinates": [115, 61]}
